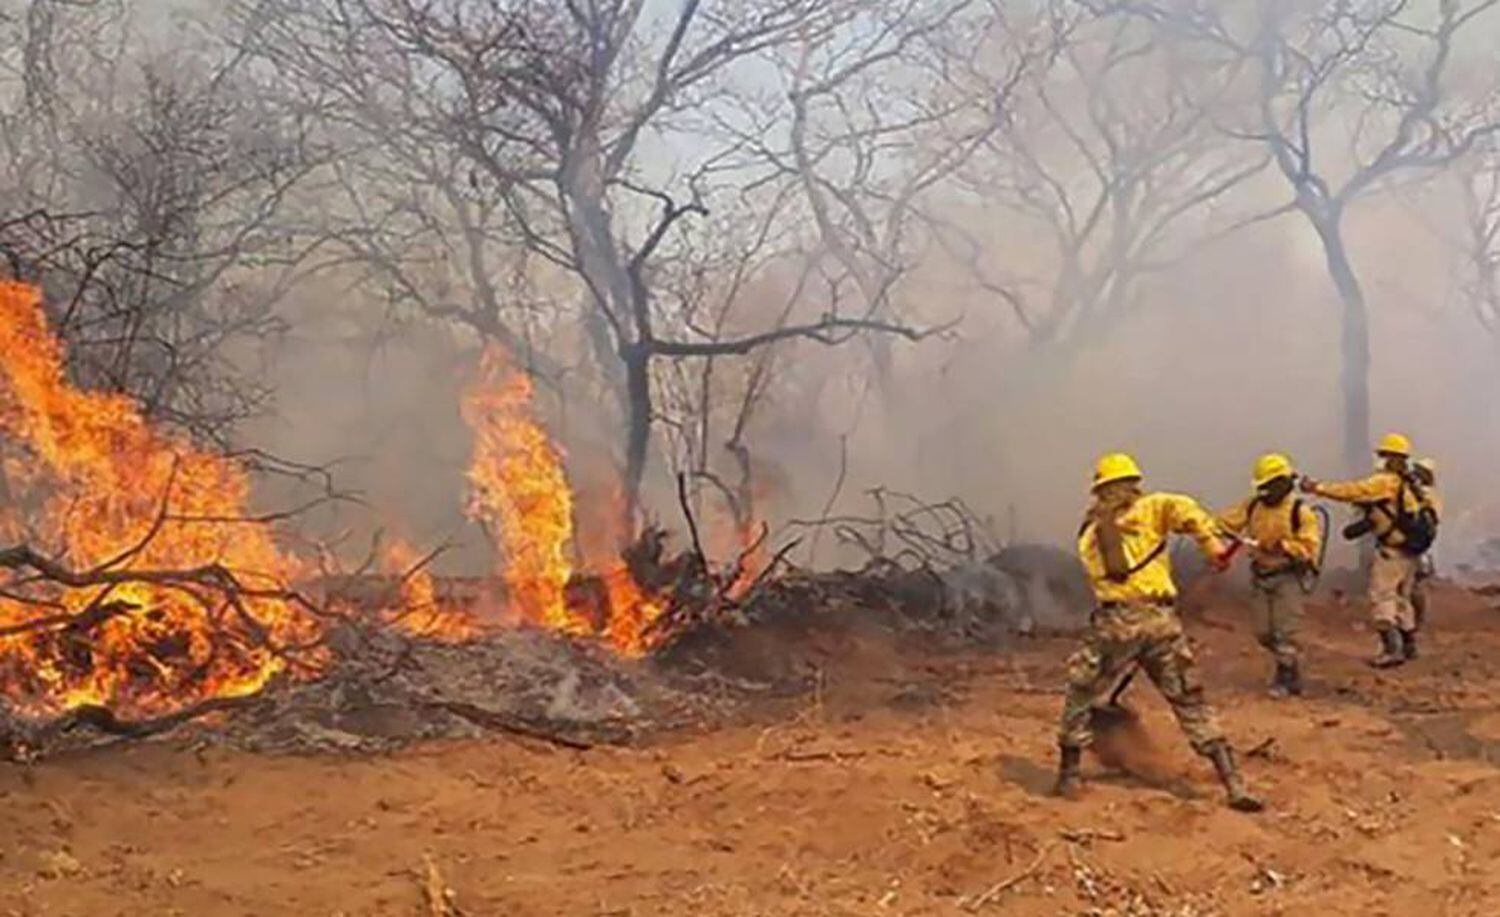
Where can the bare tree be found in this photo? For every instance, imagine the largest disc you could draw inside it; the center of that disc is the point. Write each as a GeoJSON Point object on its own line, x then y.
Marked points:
{"type": "Point", "coordinates": [1478, 236]}
{"type": "Point", "coordinates": [1386, 67]}
{"type": "Point", "coordinates": [146, 192]}
{"type": "Point", "coordinates": [840, 152]}
{"type": "Point", "coordinates": [1111, 150]}
{"type": "Point", "coordinates": [547, 120]}
{"type": "Point", "coordinates": [876, 129]}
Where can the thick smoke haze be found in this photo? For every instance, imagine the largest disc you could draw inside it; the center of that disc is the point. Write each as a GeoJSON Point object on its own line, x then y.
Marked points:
{"type": "Point", "coordinates": [1224, 343]}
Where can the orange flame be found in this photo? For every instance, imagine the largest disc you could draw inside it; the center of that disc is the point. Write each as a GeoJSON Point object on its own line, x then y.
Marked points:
{"type": "Point", "coordinates": [521, 494]}
{"type": "Point", "coordinates": [752, 560]}
{"type": "Point", "coordinates": [100, 481]}
{"type": "Point", "coordinates": [421, 612]}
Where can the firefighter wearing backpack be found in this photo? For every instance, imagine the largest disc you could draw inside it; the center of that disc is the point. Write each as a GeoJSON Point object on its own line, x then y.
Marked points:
{"type": "Point", "coordinates": [1123, 546]}
{"type": "Point", "coordinates": [1286, 538]}
{"type": "Point", "coordinates": [1395, 514]}
{"type": "Point", "coordinates": [1425, 471]}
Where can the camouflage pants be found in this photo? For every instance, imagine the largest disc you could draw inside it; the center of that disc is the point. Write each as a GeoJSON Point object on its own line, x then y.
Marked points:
{"type": "Point", "coordinates": [1278, 616]}
{"type": "Point", "coordinates": [1392, 576]}
{"type": "Point", "coordinates": [1152, 636]}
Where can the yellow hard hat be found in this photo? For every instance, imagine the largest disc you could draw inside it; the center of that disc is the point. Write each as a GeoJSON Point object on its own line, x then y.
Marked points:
{"type": "Point", "coordinates": [1271, 466]}
{"type": "Point", "coordinates": [1394, 444]}
{"type": "Point", "coordinates": [1117, 466]}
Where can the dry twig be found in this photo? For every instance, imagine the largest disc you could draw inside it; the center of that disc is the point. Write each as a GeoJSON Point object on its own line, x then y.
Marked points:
{"type": "Point", "coordinates": [999, 888]}
{"type": "Point", "coordinates": [438, 896]}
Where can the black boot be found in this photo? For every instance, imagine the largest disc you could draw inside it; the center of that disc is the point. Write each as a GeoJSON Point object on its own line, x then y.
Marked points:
{"type": "Point", "coordinates": [1068, 781]}
{"type": "Point", "coordinates": [1279, 687]}
{"type": "Point", "coordinates": [1239, 796]}
{"type": "Point", "coordinates": [1288, 681]}
{"type": "Point", "coordinates": [1392, 650]}
{"type": "Point", "coordinates": [1294, 679]}
{"type": "Point", "coordinates": [1409, 644]}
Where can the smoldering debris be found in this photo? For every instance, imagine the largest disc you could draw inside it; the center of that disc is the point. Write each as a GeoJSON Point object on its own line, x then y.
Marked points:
{"type": "Point", "coordinates": [385, 688]}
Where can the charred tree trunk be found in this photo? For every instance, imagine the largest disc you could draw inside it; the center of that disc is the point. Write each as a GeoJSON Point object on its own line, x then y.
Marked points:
{"type": "Point", "coordinates": [1354, 340]}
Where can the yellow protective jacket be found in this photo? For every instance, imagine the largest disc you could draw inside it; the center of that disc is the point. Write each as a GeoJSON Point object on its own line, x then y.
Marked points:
{"type": "Point", "coordinates": [1287, 534]}
{"type": "Point", "coordinates": [1145, 527]}
{"type": "Point", "coordinates": [1379, 491]}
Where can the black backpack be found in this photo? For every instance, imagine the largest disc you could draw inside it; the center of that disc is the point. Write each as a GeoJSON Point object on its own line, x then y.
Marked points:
{"type": "Point", "coordinates": [1418, 529]}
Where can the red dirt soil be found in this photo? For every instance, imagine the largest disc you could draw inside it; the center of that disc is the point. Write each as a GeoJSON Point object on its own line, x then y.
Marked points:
{"type": "Point", "coordinates": [913, 783]}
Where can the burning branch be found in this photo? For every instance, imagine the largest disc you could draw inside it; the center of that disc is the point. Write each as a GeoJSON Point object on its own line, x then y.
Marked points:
{"type": "Point", "coordinates": [156, 542]}
{"type": "Point", "coordinates": [214, 578]}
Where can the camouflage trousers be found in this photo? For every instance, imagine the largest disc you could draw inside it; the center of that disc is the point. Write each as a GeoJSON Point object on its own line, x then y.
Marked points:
{"type": "Point", "coordinates": [1278, 616]}
{"type": "Point", "coordinates": [1120, 636]}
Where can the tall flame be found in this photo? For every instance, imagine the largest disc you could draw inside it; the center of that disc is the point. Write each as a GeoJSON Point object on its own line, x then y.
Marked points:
{"type": "Point", "coordinates": [521, 493]}
{"type": "Point", "coordinates": [102, 483]}
{"type": "Point", "coordinates": [85, 479]}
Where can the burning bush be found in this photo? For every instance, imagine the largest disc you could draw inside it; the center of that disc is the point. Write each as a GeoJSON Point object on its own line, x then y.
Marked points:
{"type": "Point", "coordinates": [520, 494]}
{"type": "Point", "coordinates": [139, 582]}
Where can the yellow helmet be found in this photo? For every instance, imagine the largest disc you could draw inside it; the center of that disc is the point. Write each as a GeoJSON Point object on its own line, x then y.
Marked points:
{"type": "Point", "coordinates": [1117, 466]}
{"type": "Point", "coordinates": [1271, 466]}
{"type": "Point", "coordinates": [1394, 444]}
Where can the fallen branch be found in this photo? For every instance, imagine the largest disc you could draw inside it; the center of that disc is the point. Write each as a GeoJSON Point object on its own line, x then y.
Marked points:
{"type": "Point", "coordinates": [212, 577]}
{"type": "Point", "coordinates": [21, 740]}
{"type": "Point", "coordinates": [435, 891]}
{"type": "Point", "coordinates": [500, 722]}
{"type": "Point", "coordinates": [104, 719]}
{"type": "Point", "coordinates": [796, 756]}
{"type": "Point", "coordinates": [1001, 887]}
{"type": "Point", "coordinates": [97, 613]}
{"type": "Point", "coordinates": [1089, 835]}
{"type": "Point", "coordinates": [765, 573]}
{"type": "Point", "coordinates": [1263, 749]}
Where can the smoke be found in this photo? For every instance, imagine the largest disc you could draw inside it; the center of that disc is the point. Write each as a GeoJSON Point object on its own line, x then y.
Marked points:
{"type": "Point", "coordinates": [1231, 352]}
{"type": "Point", "coordinates": [1225, 347]}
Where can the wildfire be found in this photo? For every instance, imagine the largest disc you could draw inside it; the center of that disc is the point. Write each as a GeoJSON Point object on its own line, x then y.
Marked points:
{"type": "Point", "coordinates": [174, 595]}
{"type": "Point", "coordinates": [521, 494]}
{"type": "Point", "coordinates": [420, 612]}
{"type": "Point", "coordinates": [752, 559]}
{"type": "Point", "coordinates": [90, 483]}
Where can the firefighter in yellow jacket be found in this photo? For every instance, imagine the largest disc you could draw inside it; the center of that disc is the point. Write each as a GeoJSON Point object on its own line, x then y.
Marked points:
{"type": "Point", "coordinates": [1123, 545]}
{"type": "Point", "coordinates": [1425, 471]}
{"type": "Point", "coordinates": [1285, 539]}
{"type": "Point", "coordinates": [1387, 497]}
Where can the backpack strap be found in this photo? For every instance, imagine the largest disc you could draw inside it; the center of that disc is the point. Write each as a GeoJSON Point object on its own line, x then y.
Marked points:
{"type": "Point", "coordinates": [1155, 552]}
{"type": "Point", "coordinates": [1398, 513]}
{"type": "Point", "coordinates": [1138, 566]}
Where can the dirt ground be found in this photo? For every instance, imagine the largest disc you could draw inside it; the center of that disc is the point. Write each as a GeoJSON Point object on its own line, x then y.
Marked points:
{"type": "Point", "coordinates": [913, 782]}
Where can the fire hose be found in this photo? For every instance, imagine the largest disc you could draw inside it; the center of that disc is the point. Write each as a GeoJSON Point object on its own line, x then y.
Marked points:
{"type": "Point", "coordinates": [1307, 580]}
